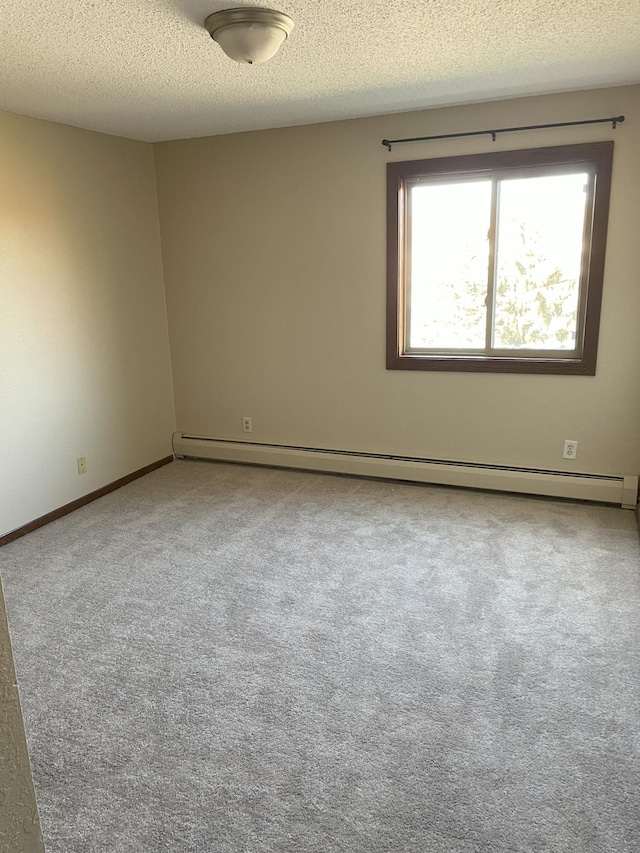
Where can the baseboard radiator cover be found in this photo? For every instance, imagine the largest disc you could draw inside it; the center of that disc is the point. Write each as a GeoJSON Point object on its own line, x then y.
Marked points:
{"type": "Point", "coordinates": [621, 490]}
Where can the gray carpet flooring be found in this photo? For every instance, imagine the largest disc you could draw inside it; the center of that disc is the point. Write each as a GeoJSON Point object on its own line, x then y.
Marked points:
{"type": "Point", "coordinates": [243, 660]}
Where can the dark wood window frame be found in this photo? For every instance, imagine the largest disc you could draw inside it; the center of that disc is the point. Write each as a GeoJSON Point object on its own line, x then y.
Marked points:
{"type": "Point", "coordinates": [597, 157]}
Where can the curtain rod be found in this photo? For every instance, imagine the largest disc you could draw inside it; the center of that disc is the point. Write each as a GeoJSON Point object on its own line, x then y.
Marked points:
{"type": "Point", "coordinates": [615, 120]}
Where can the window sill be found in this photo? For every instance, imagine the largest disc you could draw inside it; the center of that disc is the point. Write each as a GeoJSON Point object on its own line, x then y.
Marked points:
{"type": "Point", "coordinates": [491, 364]}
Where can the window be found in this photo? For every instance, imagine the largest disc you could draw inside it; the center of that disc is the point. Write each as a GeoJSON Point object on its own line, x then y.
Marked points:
{"type": "Point", "coordinates": [495, 261]}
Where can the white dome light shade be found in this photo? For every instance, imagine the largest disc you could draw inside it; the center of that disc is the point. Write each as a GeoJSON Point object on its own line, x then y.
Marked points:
{"type": "Point", "coordinates": [249, 35]}
{"type": "Point", "coordinates": [252, 43]}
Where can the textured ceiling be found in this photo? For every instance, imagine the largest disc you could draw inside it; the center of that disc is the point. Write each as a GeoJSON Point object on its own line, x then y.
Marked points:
{"type": "Point", "coordinates": [148, 69]}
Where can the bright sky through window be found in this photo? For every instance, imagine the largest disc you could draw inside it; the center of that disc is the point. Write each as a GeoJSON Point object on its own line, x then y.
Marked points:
{"type": "Point", "coordinates": [449, 261]}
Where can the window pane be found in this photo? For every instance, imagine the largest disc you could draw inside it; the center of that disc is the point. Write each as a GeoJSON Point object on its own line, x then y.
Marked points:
{"type": "Point", "coordinates": [449, 257]}
{"type": "Point", "coordinates": [539, 250]}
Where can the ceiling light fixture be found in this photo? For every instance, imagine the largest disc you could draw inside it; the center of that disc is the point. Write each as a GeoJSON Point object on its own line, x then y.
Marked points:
{"type": "Point", "coordinates": [249, 35]}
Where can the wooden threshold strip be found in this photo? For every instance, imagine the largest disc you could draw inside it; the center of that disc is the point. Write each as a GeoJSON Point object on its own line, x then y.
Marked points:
{"type": "Point", "coordinates": [85, 499]}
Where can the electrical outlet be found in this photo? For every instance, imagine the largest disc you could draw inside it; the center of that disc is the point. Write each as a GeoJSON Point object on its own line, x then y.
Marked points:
{"type": "Point", "coordinates": [247, 426]}
{"type": "Point", "coordinates": [82, 464]}
{"type": "Point", "coordinates": [570, 449]}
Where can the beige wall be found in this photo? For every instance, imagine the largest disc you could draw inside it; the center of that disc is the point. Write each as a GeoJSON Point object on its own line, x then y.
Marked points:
{"type": "Point", "coordinates": [84, 358]}
{"type": "Point", "coordinates": [19, 824]}
{"type": "Point", "coordinates": [274, 258]}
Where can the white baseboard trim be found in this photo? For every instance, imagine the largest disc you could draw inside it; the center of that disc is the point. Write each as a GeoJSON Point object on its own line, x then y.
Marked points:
{"type": "Point", "coordinates": [621, 490]}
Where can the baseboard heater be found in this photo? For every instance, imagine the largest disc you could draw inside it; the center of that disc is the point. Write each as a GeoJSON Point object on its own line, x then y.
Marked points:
{"type": "Point", "coordinates": [622, 490]}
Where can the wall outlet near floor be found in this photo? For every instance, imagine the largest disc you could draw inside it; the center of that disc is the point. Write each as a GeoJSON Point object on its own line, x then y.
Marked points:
{"type": "Point", "coordinates": [570, 449]}
{"type": "Point", "coordinates": [247, 426]}
{"type": "Point", "coordinates": [82, 464]}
